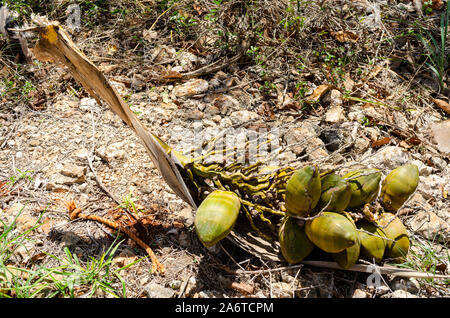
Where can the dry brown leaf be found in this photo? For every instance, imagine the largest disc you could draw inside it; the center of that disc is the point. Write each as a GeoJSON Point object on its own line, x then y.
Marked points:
{"type": "Point", "coordinates": [242, 287]}
{"type": "Point", "coordinates": [171, 74]}
{"type": "Point", "coordinates": [149, 35]}
{"type": "Point", "coordinates": [380, 142]}
{"type": "Point", "coordinates": [345, 36]}
{"type": "Point", "coordinates": [413, 141]}
{"type": "Point", "coordinates": [442, 104]}
{"type": "Point", "coordinates": [107, 68]}
{"type": "Point", "coordinates": [38, 257]}
{"type": "Point", "coordinates": [404, 144]}
{"type": "Point", "coordinates": [318, 93]}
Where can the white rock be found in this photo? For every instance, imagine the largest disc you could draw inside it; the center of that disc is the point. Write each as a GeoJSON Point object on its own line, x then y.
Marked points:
{"type": "Point", "coordinates": [333, 98]}
{"type": "Point", "coordinates": [282, 290]}
{"type": "Point", "coordinates": [187, 216]}
{"type": "Point", "coordinates": [399, 294]}
{"type": "Point", "coordinates": [73, 171]}
{"type": "Point", "coordinates": [400, 120]}
{"type": "Point", "coordinates": [157, 291]}
{"type": "Point", "coordinates": [424, 170]}
{"type": "Point", "coordinates": [358, 293]}
{"type": "Point", "coordinates": [389, 157]}
{"type": "Point", "coordinates": [430, 226]}
{"type": "Point", "coordinates": [441, 133]}
{"type": "Point", "coordinates": [304, 139]}
{"type": "Point", "coordinates": [192, 87]}
{"type": "Point", "coordinates": [175, 284]}
{"type": "Point", "coordinates": [407, 284]}
{"type": "Point", "coordinates": [242, 116]}
{"type": "Point", "coordinates": [80, 154]}
{"type": "Point", "coordinates": [335, 114]}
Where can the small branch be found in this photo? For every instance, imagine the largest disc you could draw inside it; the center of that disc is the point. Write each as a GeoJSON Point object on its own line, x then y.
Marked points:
{"type": "Point", "coordinates": [157, 267]}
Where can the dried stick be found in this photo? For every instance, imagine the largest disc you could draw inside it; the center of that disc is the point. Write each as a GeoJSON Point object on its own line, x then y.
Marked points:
{"type": "Point", "coordinates": [157, 267]}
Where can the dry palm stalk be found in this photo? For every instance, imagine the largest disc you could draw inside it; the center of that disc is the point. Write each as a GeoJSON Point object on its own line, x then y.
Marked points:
{"type": "Point", "coordinates": [55, 46]}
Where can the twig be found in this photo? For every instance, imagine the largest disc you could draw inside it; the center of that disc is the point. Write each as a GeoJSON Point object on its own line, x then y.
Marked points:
{"type": "Point", "coordinates": [157, 267]}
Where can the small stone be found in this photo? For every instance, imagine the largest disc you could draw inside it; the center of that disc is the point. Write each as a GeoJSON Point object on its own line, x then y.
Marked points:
{"type": "Point", "coordinates": [157, 291]}
{"type": "Point", "coordinates": [25, 251]}
{"type": "Point", "coordinates": [54, 187]}
{"type": "Point", "coordinates": [213, 110]}
{"type": "Point", "coordinates": [282, 290]}
{"type": "Point", "coordinates": [186, 216]}
{"type": "Point", "coordinates": [361, 145]}
{"type": "Point", "coordinates": [407, 284]}
{"type": "Point", "coordinates": [333, 98]}
{"type": "Point", "coordinates": [80, 154]}
{"type": "Point", "coordinates": [175, 284]}
{"type": "Point", "coordinates": [34, 143]}
{"type": "Point", "coordinates": [400, 120]}
{"type": "Point", "coordinates": [115, 151]}
{"type": "Point", "coordinates": [439, 163]}
{"type": "Point", "coordinates": [184, 239]}
{"type": "Point", "coordinates": [221, 75]}
{"type": "Point", "coordinates": [441, 133]}
{"type": "Point", "coordinates": [73, 171]}
{"type": "Point", "coordinates": [243, 116]}
{"type": "Point", "coordinates": [192, 87]}
{"type": "Point", "coordinates": [216, 119]}
{"type": "Point", "coordinates": [126, 257]}
{"type": "Point", "coordinates": [286, 156]}
{"type": "Point", "coordinates": [209, 294]}
{"type": "Point", "coordinates": [68, 181]}
{"type": "Point", "coordinates": [430, 226]}
{"type": "Point", "coordinates": [390, 156]}
{"type": "Point", "coordinates": [208, 123]}
{"type": "Point", "coordinates": [399, 294]}
{"type": "Point", "coordinates": [304, 139]}
{"type": "Point", "coordinates": [15, 209]}
{"type": "Point", "coordinates": [70, 239]}
{"type": "Point", "coordinates": [191, 287]}
{"type": "Point", "coordinates": [359, 293]}
{"type": "Point", "coordinates": [25, 222]}
{"type": "Point", "coordinates": [335, 114]}
{"type": "Point", "coordinates": [195, 115]}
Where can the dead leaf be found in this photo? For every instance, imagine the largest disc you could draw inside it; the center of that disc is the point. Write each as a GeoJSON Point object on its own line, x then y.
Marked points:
{"type": "Point", "coordinates": [345, 36]}
{"type": "Point", "coordinates": [107, 68]}
{"type": "Point", "coordinates": [38, 257]}
{"type": "Point", "coordinates": [413, 141]}
{"type": "Point", "coordinates": [441, 133]}
{"type": "Point", "coordinates": [241, 287]}
{"type": "Point", "coordinates": [172, 75]}
{"type": "Point", "coordinates": [442, 104]}
{"type": "Point", "coordinates": [404, 144]}
{"type": "Point", "coordinates": [380, 142]}
{"type": "Point", "coordinates": [318, 93]}
{"type": "Point", "coordinates": [149, 35]}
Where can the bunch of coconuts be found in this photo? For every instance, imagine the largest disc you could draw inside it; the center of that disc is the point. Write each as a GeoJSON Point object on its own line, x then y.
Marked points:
{"type": "Point", "coordinates": [317, 215]}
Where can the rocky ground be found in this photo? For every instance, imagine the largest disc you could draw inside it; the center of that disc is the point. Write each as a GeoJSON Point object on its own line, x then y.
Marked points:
{"type": "Point", "coordinates": [44, 151]}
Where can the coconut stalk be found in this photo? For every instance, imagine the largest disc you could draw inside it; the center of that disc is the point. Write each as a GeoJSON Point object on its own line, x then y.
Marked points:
{"type": "Point", "coordinates": [186, 176]}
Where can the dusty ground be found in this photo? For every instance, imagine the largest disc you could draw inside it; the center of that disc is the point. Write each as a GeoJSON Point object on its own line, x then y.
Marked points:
{"type": "Point", "coordinates": [47, 135]}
